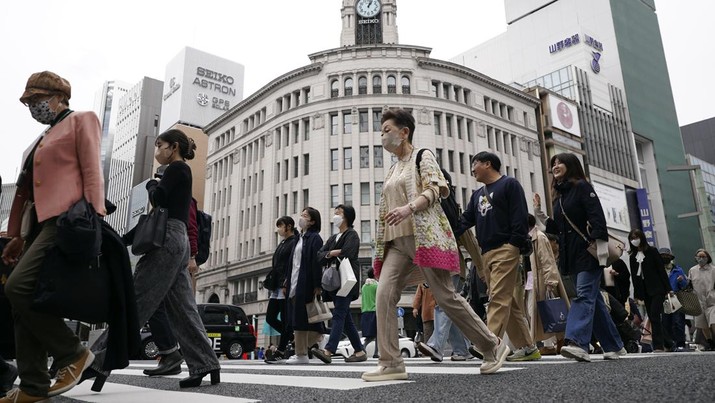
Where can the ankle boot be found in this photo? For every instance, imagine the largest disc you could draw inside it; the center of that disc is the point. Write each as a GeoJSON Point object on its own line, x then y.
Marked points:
{"type": "Point", "coordinates": [195, 380]}
{"type": "Point", "coordinates": [99, 378]}
{"type": "Point", "coordinates": [168, 365]}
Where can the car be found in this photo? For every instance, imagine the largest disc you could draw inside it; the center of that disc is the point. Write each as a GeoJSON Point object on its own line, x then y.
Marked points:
{"type": "Point", "coordinates": [226, 326]}
{"type": "Point", "coordinates": [407, 347]}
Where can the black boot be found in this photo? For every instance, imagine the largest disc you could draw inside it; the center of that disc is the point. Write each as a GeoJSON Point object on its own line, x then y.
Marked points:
{"type": "Point", "coordinates": [168, 365]}
{"type": "Point", "coordinates": [99, 378]}
{"type": "Point", "coordinates": [195, 380]}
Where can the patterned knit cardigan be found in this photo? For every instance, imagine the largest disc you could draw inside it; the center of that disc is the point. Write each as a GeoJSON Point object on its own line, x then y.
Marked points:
{"type": "Point", "coordinates": [434, 239]}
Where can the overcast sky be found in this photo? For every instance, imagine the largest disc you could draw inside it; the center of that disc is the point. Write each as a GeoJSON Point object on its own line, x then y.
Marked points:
{"type": "Point", "coordinates": [89, 42]}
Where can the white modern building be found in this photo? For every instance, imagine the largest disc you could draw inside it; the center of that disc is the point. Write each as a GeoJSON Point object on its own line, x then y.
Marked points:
{"type": "Point", "coordinates": [132, 156]}
{"type": "Point", "coordinates": [607, 57]}
{"type": "Point", "coordinates": [106, 106]}
{"type": "Point", "coordinates": [311, 137]}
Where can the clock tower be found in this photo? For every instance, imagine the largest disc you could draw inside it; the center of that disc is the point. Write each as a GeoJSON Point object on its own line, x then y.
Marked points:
{"type": "Point", "coordinates": [368, 22]}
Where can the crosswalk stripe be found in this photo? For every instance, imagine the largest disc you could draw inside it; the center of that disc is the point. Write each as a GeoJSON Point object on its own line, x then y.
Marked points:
{"type": "Point", "coordinates": [120, 393]}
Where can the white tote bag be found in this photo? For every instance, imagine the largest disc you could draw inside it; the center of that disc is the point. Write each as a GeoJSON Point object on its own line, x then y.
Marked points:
{"type": "Point", "coordinates": [347, 278]}
{"type": "Point", "coordinates": [671, 304]}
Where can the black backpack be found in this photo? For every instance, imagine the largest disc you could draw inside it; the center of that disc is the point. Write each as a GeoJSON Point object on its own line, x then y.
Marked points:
{"type": "Point", "coordinates": [449, 204]}
{"type": "Point", "coordinates": [203, 221]}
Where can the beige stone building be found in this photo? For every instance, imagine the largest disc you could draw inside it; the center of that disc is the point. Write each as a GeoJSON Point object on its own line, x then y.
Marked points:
{"type": "Point", "coordinates": [311, 137]}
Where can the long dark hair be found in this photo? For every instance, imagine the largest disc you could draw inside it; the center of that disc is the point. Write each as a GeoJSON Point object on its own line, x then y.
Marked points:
{"type": "Point", "coordinates": [315, 217]}
{"type": "Point", "coordinates": [186, 144]}
{"type": "Point", "coordinates": [636, 233]}
{"type": "Point", "coordinates": [574, 169]}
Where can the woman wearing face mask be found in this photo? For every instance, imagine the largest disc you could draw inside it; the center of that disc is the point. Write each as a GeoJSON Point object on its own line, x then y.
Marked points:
{"type": "Point", "coordinates": [702, 275]}
{"type": "Point", "coordinates": [575, 205]}
{"type": "Point", "coordinates": [650, 284]}
{"type": "Point", "coordinates": [303, 285]}
{"type": "Point", "coordinates": [62, 168]}
{"type": "Point", "coordinates": [343, 245]}
{"type": "Point", "coordinates": [415, 244]}
{"type": "Point", "coordinates": [161, 275]}
{"type": "Point", "coordinates": [276, 302]}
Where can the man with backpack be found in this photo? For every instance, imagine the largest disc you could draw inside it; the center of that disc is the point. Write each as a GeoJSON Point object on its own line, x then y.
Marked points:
{"type": "Point", "coordinates": [499, 211]}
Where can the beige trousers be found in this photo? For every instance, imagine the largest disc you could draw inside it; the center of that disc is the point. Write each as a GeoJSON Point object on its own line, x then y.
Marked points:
{"type": "Point", "coordinates": [396, 268]}
{"type": "Point", "coordinates": [506, 307]}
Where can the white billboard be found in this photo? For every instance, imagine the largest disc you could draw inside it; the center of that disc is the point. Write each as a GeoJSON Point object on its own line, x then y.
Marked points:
{"type": "Point", "coordinates": [615, 207]}
{"type": "Point", "coordinates": [198, 88]}
{"type": "Point", "coordinates": [563, 115]}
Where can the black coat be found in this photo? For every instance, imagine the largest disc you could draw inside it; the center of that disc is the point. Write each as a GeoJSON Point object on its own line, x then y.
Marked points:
{"type": "Point", "coordinates": [653, 279]}
{"type": "Point", "coordinates": [123, 339]}
{"type": "Point", "coordinates": [310, 275]}
{"type": "Point", "coordinates": [281, 263]}
{"type": "Point", "coordinates": [582, 206]}
{"type": "Point", "coordinates": [349, 245]}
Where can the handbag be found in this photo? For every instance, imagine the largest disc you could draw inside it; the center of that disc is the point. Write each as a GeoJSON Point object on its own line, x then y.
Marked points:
{"type": "Point", "coordinates": [79, 291]}
{"type": "Point", "coordinates": [553, 313]}
{"type": "Point", "coordinates": [671, 304]}
{"type": "Point", "coordinates": [331, 278]}
{"type": "Point", "coordinates": [269, 283]}
{"type": "Point", "coordinates": [150, 232]}
{"type": "Point", "coordinates": [615, 245]}
{"type": "Point", "coordinates": [79, 232]}
{"type": "Point", "coordinates": [317, 311]}
{"type": "Point", "coordinates": [569, 283]}
{"type": "Point", "coordinates": [347, 278]}
{"type": "Point", "coordinates": [689, 301]}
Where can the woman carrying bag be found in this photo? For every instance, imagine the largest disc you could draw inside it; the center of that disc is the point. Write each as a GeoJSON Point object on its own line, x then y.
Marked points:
{"type": "Point", "coordinates": [343, 245]}
{"type": "Point", "coordinates": [577, 206]}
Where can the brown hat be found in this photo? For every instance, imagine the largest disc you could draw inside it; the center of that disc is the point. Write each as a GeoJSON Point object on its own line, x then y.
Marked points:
{"type": "Point", "coordinates": [46, 83]}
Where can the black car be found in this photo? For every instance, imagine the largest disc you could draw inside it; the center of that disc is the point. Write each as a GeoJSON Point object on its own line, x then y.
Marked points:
{"type": "Point", "coordinates": [227, 327]}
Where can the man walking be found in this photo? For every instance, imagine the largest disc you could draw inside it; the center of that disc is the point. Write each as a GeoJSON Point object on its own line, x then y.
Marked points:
{"type": "Point", "coordinates": [499, 211]}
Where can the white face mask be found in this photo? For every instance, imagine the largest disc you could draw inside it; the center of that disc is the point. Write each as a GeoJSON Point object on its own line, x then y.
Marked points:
{"type": "Point", "coordinates": [636, 242]}
{"type": "Point", "coordinates": [391, 142]}
{"type": "Point", "coordinates": [337, 220]}
{"type": "Point", "coordinates": [702, 261]}
{"type": "Point", "coordinates": [303, 223]}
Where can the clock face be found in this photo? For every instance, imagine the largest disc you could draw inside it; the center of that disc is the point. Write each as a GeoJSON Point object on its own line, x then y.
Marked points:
{"type": "Point", "coordinates": [368, 8]}
{"type": "Point", "coordinates": [564, 114]}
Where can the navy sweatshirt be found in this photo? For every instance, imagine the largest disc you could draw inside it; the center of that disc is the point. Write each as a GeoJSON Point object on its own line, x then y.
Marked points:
{"type": "Point", "coordinates": [501, 223]}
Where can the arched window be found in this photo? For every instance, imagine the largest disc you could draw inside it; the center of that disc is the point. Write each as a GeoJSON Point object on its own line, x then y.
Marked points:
{"type": "Point", "coordinates": [376, 85]}
{"type": "Point", "coordinates": [334, 88]}
{"type": "Point", "coordinates": [362, 85]}
{"type": "Point", "coordinates": [405, 85]}
{"type": "Point", "coordinates": [348, 86]}
{"type": "Point", "coordinates": [391, 85]}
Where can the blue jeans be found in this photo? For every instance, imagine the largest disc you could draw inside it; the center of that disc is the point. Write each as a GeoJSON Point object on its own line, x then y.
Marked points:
{"type": "Point", "coordinates": [674, 325]}
{"type": "Point", "coordinates": [588, 314]}
{"type": "Point", "coordinates": [444, 330]}
{"type": "Point", "coordinates": [342, 321]}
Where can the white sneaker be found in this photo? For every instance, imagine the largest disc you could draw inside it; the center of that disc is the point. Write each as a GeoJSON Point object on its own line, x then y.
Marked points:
{"type": "Point", "coordinates": [385, 374]}
{"type": "Point", "coordinates": [298, 360]}
{"type": "Point", "coordinates": [575, 352]}
{"type": "Point", "coordinates": [491, 365]}
{"type": "Point", "coordinates": [614, 355]}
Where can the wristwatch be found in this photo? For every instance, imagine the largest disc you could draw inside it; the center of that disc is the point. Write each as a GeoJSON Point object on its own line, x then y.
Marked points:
{"type": "Point", "coordinates": [412, 206]}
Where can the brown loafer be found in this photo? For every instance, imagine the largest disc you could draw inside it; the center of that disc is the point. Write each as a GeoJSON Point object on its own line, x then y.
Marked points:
{"type": "Point", "coordinates": [356, 358]}
{"type": "Point", "coordinates": [322, 355]}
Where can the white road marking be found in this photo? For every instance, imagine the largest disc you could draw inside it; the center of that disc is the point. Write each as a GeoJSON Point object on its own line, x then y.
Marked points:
{"type": "Point", "coordinates": [119, 393]}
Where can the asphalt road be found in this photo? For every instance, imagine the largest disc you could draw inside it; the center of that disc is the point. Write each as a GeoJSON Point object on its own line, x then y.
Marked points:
{"type": "Point", "coordinates": [663, 377]}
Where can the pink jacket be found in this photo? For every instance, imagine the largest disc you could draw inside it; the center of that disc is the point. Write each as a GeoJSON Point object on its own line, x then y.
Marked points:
{"type": "Point", "coordinates": [66, 166]}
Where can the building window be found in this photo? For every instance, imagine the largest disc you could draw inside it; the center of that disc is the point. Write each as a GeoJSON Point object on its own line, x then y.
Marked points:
{"type": "Point", "coordinates": [364, 194]}
{"type": "Point", "coordinates": [469, 130]}
{"type": "Point", "coordinates": [348, 194]}
{"type": "Point", "coordinates": [405, 85]}
{"type": "Point", "coordinates": [285, 171]}
{"type": "Point", "coordinates": [334, 88]}
{"type": "Point", "coordinates": [450, 160]}
{"type": "Point", "coordinates": [365, 236]}
{"type": "Point", "coordinates": [364, 157]}
{"type": "Point", "coordinates": [376, 120]}
{"type": "Point", "coordinates": [461, 163]}
{"type": "Point", "coordinates": [348, 158]}
{"type": "Point", "coordinates": [306, 164]}
{"type": "Point", "coordinates": [347, 122]}
{"type": "Point", "coordinates": [333, 124]}
{"type": "Point", "coordinates": [363, 122]}
{"type": "Point", "coordinates": [449, 125]}
{"type": "Point", "coordinates": [306, 129]}
{"type": "Point", "coordinates": [437, 124]}
{"type": "Point", "coordinates": [391, 85]}
{"type": "Point", "coordinates": [334, 159]}
{"type": "Point", "coordinates": [306, 197]}
{"type": "Point", "coordinates": [334, 196]}
{"type": "Point", "coordinates": [376, 85]}
{"type": "Point", "coordinates": [438, 155]}
{"type": "Point", "coordinates": [377, 156]}
{"type": "Point", "coordinates": [362, 85]}
{"type": "Point", "coordinates": [459, 128]}
{"type": "Point", "coordinates": [295, 202]}
{"type": "Point", "coordinates": [295, 167]}
{"type": "Point", "coordinates": [348, 86]}
{"type": "Point", "coordinates": [378, 192]}
{"type": "Point", "coordinates": [278, 176]}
